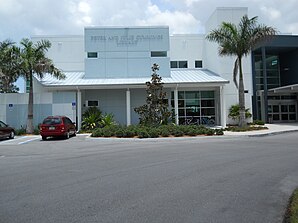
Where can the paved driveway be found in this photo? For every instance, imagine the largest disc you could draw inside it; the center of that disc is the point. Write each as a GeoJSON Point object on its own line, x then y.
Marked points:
{"type": "Point", "coordinates": [205, 179]}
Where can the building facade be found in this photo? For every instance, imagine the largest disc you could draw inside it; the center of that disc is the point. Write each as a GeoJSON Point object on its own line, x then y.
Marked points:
{"type": "Point", "coordinates": [107, 67]}
{"type": "Point", "coordinates": [275, 75]}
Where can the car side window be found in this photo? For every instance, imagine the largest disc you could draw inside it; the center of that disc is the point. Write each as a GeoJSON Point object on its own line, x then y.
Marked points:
{"type": "Point", "coordinates": [68, 121]}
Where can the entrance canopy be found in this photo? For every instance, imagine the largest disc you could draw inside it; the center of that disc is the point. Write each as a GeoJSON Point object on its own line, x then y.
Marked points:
{"type": "Point", "coordinates": [289, 89]}
{"type": "Point", "coordinates": [184, 78]}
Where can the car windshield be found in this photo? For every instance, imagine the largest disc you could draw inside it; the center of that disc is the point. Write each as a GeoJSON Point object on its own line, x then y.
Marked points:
{"type": "Point", "coordinates": [52, 121]}
{"type": "Point", "coordinates": [2, 124]}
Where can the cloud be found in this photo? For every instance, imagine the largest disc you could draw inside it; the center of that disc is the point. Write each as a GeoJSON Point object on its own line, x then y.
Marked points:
{"type": "Point", "coordinates": [272, 13]}
{"type": "Point", "coordinates": [189, 3]}
{"type": "Point", "coordinates": [81, 13]}
{"type": "Point", "coordinates": [84, 7]}
{"type": "Point", "coordinates": [19, 18]}
{"type": "Point", "coordinates": [292, 28]}
{"type": "Point", "coordinates": [178, 21]}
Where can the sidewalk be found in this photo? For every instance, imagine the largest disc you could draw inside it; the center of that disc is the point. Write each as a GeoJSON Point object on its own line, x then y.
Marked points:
{"type": "Point", "coordinates": [273, 129]}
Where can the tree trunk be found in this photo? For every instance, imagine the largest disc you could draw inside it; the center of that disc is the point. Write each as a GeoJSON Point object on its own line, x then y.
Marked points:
{"type": "Point", "coordinates": [30, 127]}
{"type": "Point", "coordinates": [242, 122]}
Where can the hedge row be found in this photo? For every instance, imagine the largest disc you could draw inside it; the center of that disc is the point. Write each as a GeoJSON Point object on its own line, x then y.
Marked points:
{"type": "Point", "coordinates": [154, 132]}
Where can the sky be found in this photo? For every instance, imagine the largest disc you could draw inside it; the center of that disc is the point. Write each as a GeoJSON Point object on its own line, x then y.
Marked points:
{"type": "Point", "coordinates": [25, 18]}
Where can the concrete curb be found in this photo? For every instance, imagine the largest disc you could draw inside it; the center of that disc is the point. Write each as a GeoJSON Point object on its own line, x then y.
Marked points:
{"type": "Point", "coordinates": [273, 133]}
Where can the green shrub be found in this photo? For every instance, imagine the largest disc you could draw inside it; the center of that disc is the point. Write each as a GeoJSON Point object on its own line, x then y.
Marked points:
{"type": "Point", "coordinates": [119, 133]}
{"type": "Point", "coordinates": [165, 133]}
{"type": "Point", "coordinates": [107, 133]}
{"type": "Point", "coordinates": [170, 128]}
{"type": "Point", "coordinates": [210, 132]}
{"type": "Point", "coordinates": [219, 132]}
{"type": "Point", "coordinates": [191, 132]}
{"type": "Point", "coordinates": [107, 120]}
{"type": "Point", "coordinates": [91, 119]}
{"type": "Point", "coordinates": [21, 131]}
{"type": "Point", "coordinates": [153, 133]}
{"type": "Point", "coordinates": [128, 133]}
{"type": "Point", "coordinates": [97, 132]}
{"type": "Point", "coordinates": [143, 134]}
{"type": "Point", "coordinates": [234, 112]}
{"type": "Point", "coordinates": [36, 131]}
{"type": "Point", "coordinates": [200, 130]}
{"type": "Point", "coordinates": [178, 133]}
{"type": "Point", "coordinates": [258, 122]}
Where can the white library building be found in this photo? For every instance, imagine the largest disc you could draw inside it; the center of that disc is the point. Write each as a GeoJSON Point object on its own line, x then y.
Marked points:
{"type": "Point", "coordinates": [108, 67]}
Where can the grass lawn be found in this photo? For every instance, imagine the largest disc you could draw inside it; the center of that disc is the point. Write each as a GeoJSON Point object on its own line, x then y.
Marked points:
{"type": "Point", "coordinates": [291, 215]}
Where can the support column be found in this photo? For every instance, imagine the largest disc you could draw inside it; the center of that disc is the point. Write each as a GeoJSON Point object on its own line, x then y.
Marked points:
{"type": "Point", "coordinates": [79, 109]}
{"type": "Point", "coordinates": [223, 115]}
{"type": "Point", "coordinates": [128, 111]}
{"type": "Point", "coordinates": [176, 105]}
{"type": "Point", "coordinates": [265, 104]}
{"type": "Point", "coordinates": [263, 114]}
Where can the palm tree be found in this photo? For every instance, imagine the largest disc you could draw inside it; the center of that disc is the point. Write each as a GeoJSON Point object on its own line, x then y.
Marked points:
{"type": "Point", "coordinates": [34, 62]}
{"type": "Point", "coordinates": [8, 66]}
{"type": "Point", "coordinates": [239, 41]}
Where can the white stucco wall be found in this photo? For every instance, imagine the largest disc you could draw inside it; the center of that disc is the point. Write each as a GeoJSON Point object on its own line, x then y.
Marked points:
{"type": "Point", "coordinates": [187, 47]}
{"type": "Point", "coordinates": [14, 107]}
{"type": "Point", "coordinates": [224, 65]}
{"type": "Point", "coordinates": [67, 51]}
{"type": "Point", "coordinates": [125, 52]}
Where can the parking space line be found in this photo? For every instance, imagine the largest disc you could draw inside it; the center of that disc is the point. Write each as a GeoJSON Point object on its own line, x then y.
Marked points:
{"type": "Point", "coordinates": [29, 140]}
{"type": "Point", "coordinates": [19, 140]}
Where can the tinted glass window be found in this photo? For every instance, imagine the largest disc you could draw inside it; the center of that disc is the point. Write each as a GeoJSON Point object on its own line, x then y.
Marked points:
{"type": "Point", "coordinates": [68, 121]}
{"type": "Point", "coordinates": [198, 64]}
{"type": "Point", "coordinates": [52, 121]}
{"type": "Point", "coordinates": [92, 103]}
{"type": "Point", "coordinates": [182, 64]}
{"type": "Point", "coordinates": [92, 54]}
{"type": "Point", "coordinates": [158, 53]}
{"type": "Point", "coordinates": [174, 64]}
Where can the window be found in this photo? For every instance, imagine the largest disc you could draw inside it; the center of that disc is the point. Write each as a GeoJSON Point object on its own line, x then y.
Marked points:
{"type": "Point", "coordinates": [174, 64]}
{"type": "Point", "coordinates": [198, 64]}
{"type": "Point", "coordinates": [67, 121]}
{"type": "Point", "coordinates": [92, 54]}
{"type": "Point", "coordinates": [182, 64]}
{"type": "Point", "coordinates": [92, 103]}
{"type": "Point", "coordinates": [52, 121]}
{"type": "Point", "coordinates": [195, 106]}
{"type": "Point", "coordinates": [179, 64]}
{"type": "Point", "coordinates": [159, 54]}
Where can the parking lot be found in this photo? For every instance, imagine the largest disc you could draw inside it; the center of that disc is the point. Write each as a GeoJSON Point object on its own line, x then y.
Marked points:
{"type": "Point", "coordinates": [19, 140]}
{"type": "Point", "coordinates": [207, 179]}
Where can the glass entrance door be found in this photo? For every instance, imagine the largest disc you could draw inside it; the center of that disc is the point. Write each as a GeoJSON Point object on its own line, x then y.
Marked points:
{"type": "Point", "coordinates": [282, 111]}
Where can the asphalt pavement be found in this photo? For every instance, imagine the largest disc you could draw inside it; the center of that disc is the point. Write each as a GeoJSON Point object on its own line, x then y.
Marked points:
{"type": "Point", "coordinates": [201, 179]}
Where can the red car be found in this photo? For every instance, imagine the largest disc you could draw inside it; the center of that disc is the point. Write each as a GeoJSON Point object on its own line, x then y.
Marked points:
{"type": "Point", "coordinates": [55, 126]}
{"type": "Point", "coordinates": [6, 131]}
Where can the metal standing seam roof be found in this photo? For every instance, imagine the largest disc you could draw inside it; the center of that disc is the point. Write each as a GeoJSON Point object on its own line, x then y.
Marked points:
{"type": "Point", "coordinates": [191, 76]}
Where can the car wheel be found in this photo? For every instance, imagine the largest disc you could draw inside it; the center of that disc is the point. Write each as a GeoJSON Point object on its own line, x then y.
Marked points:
{"type": "Point", "coordinates": [11, 136]}
{"type": "Point", "coordinates": [44, 138]}
{"type": "Point", "coordinates": [67, 135]}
